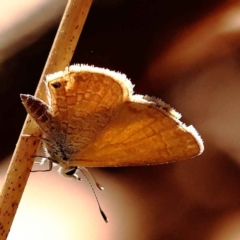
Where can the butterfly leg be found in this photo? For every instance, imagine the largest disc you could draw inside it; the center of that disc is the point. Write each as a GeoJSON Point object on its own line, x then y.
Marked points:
{"type": "Point", "coordinates": [44, 158]}
{"type": "Point", "coordinates": [40, 138]}
{"type": "Point", "coordinates": [50, 165]}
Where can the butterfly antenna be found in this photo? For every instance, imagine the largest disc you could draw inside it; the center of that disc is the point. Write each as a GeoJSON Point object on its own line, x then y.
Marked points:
{"type": "Point", "coordinates": [96, 183]}
{"type": "Point", "coordinates": [101, 211]}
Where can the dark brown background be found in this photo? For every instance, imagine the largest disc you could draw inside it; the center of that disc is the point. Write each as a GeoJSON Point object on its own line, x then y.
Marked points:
{"type": "Point", "coordinates": [184, 52]}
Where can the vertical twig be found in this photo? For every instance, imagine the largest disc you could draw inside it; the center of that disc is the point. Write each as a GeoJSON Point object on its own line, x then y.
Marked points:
{"type": "Point", "coordinates": [59, 57]}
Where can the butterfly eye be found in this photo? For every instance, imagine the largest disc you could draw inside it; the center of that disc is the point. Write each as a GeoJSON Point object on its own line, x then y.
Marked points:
{"type": "Point", "coordinates": [56, 85]}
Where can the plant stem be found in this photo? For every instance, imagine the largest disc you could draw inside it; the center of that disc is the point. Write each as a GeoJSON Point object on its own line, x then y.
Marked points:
{"type": "Point", "coordinates": [22, 160]}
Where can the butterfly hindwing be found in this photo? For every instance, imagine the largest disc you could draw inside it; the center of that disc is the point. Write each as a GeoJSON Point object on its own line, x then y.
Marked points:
{"type": "Point", "coordinates": [141, 134]}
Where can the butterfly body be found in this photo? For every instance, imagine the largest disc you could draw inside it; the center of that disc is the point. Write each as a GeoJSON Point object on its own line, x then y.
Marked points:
{"type": "Point", "coordinates": [93, 119]}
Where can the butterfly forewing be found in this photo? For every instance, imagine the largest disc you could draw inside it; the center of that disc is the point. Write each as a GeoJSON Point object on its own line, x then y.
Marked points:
{"type": "Point", "coordinates": [84, 102]}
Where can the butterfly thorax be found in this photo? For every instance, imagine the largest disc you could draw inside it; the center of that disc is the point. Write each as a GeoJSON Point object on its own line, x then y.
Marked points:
{"type": "Point", "coordinates": [59, 151]}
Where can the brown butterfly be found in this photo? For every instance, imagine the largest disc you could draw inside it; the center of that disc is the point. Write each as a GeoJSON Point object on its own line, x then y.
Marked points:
{"type": "Point", "coordinates": [94, 120]}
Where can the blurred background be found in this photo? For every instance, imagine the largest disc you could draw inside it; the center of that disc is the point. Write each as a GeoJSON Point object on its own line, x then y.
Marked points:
{"type": "Point", "coordinates": [184, 52]}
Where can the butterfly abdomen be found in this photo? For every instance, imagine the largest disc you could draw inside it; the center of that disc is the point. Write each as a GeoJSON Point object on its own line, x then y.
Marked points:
{"type": "Point", "coordinates": [35, 107]}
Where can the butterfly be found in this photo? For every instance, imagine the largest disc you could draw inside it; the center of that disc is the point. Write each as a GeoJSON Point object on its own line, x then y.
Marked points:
{"type": "Point", "coordinates": [93, 119]}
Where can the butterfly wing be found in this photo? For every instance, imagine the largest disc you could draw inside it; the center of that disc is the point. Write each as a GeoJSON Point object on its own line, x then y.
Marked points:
{"type": "Point", "coordinates": [106, 125]}
{"type": "Point", "coordinates": [141, 133]}
{"type": "Point", "coordinates": [84, 100]}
